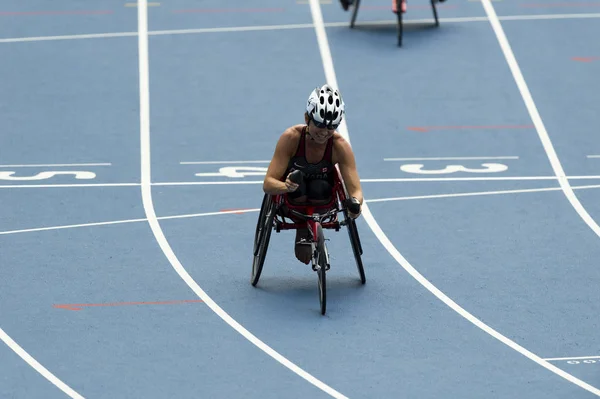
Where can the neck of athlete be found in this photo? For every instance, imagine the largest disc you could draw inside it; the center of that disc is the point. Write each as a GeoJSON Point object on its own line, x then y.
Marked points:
{"type": "Point", "coordinates": [313, 142]}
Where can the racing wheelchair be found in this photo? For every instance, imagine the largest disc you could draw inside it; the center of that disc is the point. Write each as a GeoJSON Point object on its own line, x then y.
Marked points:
{"type": "Point", "coordinates": [277, 209]}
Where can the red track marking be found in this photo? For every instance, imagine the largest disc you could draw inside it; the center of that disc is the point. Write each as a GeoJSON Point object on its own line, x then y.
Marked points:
{"type": "Point", "coordinates": [79, 306]}
{"type": "Point", "coordinates": [429, 128]}
{"type": "Point", "coordinates": [585, 59]}
{"type": "Point", "coordinates": [235, 209]}
{"type": "Point", "coordinates": [218, 10]}
{"type": "Point", "coordinates": [64, 12]}
{"type": "Point", "coordinates": [549, 5]}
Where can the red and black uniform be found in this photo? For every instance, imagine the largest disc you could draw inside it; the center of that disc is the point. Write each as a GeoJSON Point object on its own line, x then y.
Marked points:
{"type": "Point", "coordinates": [318, 177]}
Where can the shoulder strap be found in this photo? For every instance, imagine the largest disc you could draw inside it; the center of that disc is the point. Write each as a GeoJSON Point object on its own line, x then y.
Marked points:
{"type": "Point", "coordinates": [328, 156]}
{"type": "Point", "coordinates": [301, 146]}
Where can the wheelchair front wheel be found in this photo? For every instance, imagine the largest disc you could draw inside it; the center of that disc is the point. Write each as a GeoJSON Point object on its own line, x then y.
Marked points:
{"type": "Point", "coordinates": [322, 260]}
{"type": "Point", "coordinates": [262, 236]}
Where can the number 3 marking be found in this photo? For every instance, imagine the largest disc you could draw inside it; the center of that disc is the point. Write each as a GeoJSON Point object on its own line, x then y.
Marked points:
{"type": "Point", "coordinates": [488, 168]}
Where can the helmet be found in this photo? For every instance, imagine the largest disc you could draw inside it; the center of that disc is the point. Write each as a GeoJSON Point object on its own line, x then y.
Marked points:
{"type": "Point", "coordinates": [325, 107]}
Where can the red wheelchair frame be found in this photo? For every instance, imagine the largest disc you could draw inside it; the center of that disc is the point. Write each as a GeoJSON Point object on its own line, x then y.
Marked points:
{"type": "Point", "coordinates": [276, 209]}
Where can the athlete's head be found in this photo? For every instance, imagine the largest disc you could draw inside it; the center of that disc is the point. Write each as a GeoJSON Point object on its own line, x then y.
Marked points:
{"type": "Point", "coordinates": [324, 112]}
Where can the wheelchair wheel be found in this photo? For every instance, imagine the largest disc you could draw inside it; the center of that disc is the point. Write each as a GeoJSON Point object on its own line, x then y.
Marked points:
{"type": "Point", "coordinates": [351, 226]}
{"type": "Point", "coordinates": [262, 235]}
{"type": "Point", "coordinates": [322, 266]}
{"type": "Point", "coordinates": [355, 243]}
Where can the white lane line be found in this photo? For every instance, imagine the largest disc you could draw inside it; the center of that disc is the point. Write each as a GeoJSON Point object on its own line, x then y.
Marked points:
{"type": "Point", "coordinates": [208, 183]}
{"type": "Point", "coordinates": [573, 358]}
{"type": "Point", "coordinates": [536, 118]}
{"type": "Point", "coordinates": [220, 162]}
{"type": "Point", "coordinates": [472, 194]}
{"type": "Point", "coordinates": [257, 28]}
{"type": "Point", "coordinates": [233, 182]}
{"type": "Point", "coordinates": [194, 215]}
{"type": "Point", "coordinates": [155, 225]}
{"type": "Point", "coordinates": [293, 26]}
{"type": "Point", "coordinates": [478, 193]}
{"type": "Point", "coordinates": [448, 158]}
{"type": "Point", "coordinates": [67, 37]}
{"type": "Point", "coordinates": [71, 226]}
{"type": "Point", "coordinates": [55, 165]}
{"type": "Point", "coordinates": [37, 366]}
{"type": "Point", "coordinates": [593, 156]}
{"type": "Point", "coordinates": [548, 17]}
{"type": "Point", "coordinates": [69, 185]}
{"type": "Point", "coordinates": [488, 178]}
{"type": "Point", "coordinates": [544, 138]}
{"type": "Point", "coordinates": [331, 79]}
{"type": "Point", "coordinates": [125, 221]}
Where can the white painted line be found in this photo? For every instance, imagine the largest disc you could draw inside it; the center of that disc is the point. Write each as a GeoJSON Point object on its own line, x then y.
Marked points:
{"type": "Point", "coordinates": [70, 226]}
{"type": "Point", "coordinates": [536, 118]}
{"type": "Point", "coordinates": [55, 165]}
{"type": "Point", "coordinates": [67, 37]}
{"type": "Point", "coordinates": [230, 29]}
{"type": "Point", "coordinates": [114, 222]}
{"type": "Point", "coordinates": [593, 156]}
{"type": "Point", "coordinates": [238, 182]}
{"type": "Point", "coordinates": [449, 158]}
{"type": "Point", "coordinates": [477, 193]}
{"type": "Point", "coordinates": [548, 17]}
{"type": "Point", "coordinates": [146, 187]}
{"type": "Point", "coordinates": [291, 26]}
{"type": "Point", "coordinates": [331, 79]}
{"type": "Point", "coordinates": [195, 215]}
{"type": "Point", "coordinates": [208, 183]}
{"type": "Point", "coordinates": [572, 358]}
{"type": "Point", "coordinates": [37, 366]}
{"type": "Point", "coordinates": [489, 178]}
{"type": "Point", "coordinates": [69, 185]}
{"type": "Point", "coordinates": [546, 143]}
{"type": "Point", "coordinates": [471, 194]}
{"type": "Point", "coordinates": [220, 162]}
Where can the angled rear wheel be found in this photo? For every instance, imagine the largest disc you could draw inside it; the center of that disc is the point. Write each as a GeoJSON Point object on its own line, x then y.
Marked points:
{"type": "Point", "coordinates": [350, 223]}
{"type": "Point", "coordinates": [262, 236]}
{"type": "Point", "coordinates": [355, 243]}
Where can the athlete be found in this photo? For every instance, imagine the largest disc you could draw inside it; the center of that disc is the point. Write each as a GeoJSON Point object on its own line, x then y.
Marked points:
{"type": "Point", "coordinates": [314, 148]}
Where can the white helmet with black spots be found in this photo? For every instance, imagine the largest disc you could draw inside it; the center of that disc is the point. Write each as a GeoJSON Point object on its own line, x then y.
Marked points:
{"type": "Point", "coordinates": [325, 107]}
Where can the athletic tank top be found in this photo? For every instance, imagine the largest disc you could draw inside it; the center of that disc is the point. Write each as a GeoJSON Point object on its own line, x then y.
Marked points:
{"type": "Point", "coordinates": [323, 170]}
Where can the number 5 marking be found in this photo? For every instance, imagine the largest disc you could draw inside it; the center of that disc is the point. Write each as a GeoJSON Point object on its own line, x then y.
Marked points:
{"type": "Point", "coordinates": [488, 168]}
{"type": "Point", "coordinates": [7, 175]}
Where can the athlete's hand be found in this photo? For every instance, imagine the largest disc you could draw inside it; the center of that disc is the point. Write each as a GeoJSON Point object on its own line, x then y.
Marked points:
{"type": "Point", "coordinates": [354, 215]}
{"type": "Point", "coordinates": [293, 180]}
{"type": "Point", "coordinates": [290, 186]}
{"type": "Point", "coordinates": [354, 208]}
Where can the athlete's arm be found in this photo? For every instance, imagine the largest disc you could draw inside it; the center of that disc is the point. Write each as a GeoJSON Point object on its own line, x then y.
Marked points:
{"type": "Point", "coordinates": [347, 164]}
{"type": "Point", "coordinates": [283, 152]}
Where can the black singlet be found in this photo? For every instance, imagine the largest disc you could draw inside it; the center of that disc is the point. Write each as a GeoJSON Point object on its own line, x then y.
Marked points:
{"type": "Point", "coordinates": [323, 170]}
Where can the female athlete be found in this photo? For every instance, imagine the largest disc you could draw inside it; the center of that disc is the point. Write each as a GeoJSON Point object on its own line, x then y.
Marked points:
{"type": "Point", "coordinates": [314, 148]}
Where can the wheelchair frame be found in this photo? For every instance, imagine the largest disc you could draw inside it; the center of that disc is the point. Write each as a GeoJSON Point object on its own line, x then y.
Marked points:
{"type": "Point", "coordinates": [276, 209]}
{"type": "Point", "coordinates": [398, 14]}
